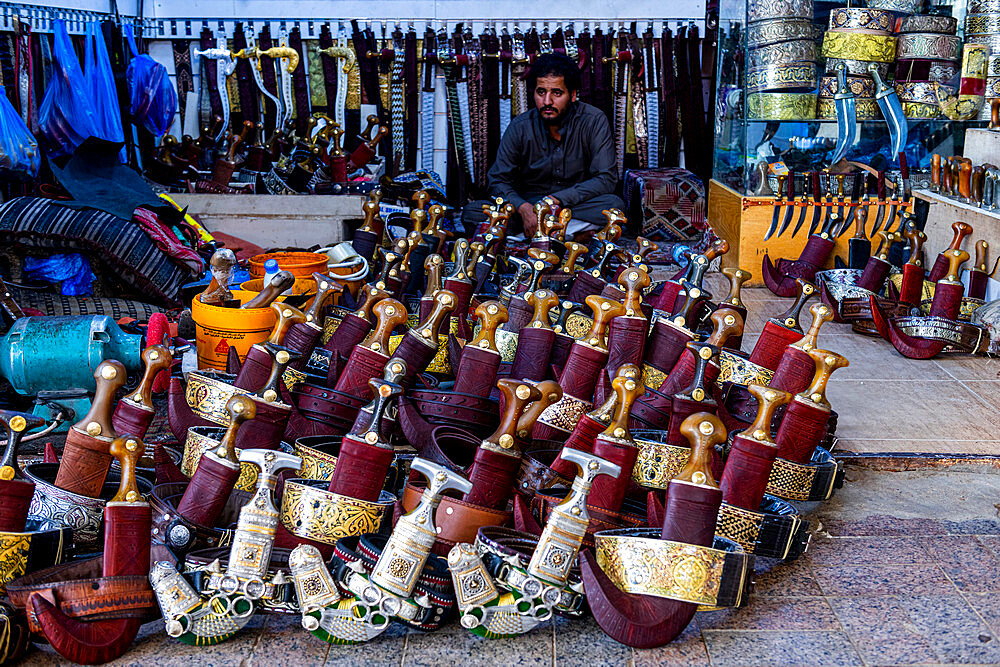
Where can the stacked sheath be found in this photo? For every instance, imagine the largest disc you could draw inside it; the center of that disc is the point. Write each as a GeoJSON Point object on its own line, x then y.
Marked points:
{"type": "Point", "coordinates": [781, 55]}
{"type": "Point", "coordinates": [927, 53]}
{"type": "Point", "coordinates": [982, 26]}
{"type": "Point", "coordinates": [856, 39]}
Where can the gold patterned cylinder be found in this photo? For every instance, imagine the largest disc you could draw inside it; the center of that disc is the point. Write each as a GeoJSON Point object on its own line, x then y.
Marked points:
{"type": "Point", "coordinates": [311, 512]}
{"type": "Point", "coordinates": [658, 463]}
{"type": "Point", "coordinates": [866, 109]}
{"type": "Point", "coordinates": [859, 46]}
{"type": "Point", "coordinates": [781, 106]}
{"type": "Point", "coordinates": [921, 110]}
{"type": "Point", "coordinates": [782, 77]}
{"type": "Point", "coordinates": [873, 21]}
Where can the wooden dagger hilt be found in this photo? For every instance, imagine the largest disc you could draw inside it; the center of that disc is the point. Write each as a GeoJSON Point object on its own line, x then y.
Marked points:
{"type": "Point", "coordinates": [604, 310]}
{"type": "Point", "coordinates": [476, 250]}
{"type": "Point", "coordinates": [280, 282]}
{"type": "Point", "coordinates": [418, 218]}
{"type": "Point", "coordinates": [955, 260]}
{"type": "Point", "coordinates": [736, 279]}
{"type": "Point", "coordinates": [434, 215]}
{"type": "Point", "coordinates": [156, 358]}
{"type": "Point", "coordinates": [542, 301]}
{"type": "Point", "coordinates": [717, 249]}
{"type": "Point", "coordinates": [551, 392]}
{"type": "Point", "coordinates": [703, 431]}
{"type": "Point", "coordinates": [646, 247]}
{"type": "Point", "coordinates": [389, 314]}
{"type": "Point", "coordinates": [127, 450]}
{"type": "Point", "coordinates": [240, 409]}
{"type": "Point", "coordinates": [860, 218]}
{"type": "Point", "coordinates": [490, 315]}
{"type": "Point", "coordinates": [17, 425]}
{"type": "Point", "coordinates": [110, 375]}
{"type": "Point", "coordinates": [287, 316]}
{"type": "Point", "coordinates": [686, 310]}
{"type": "Point", "coordinates": [516, 396]}
{"type": "Point", "coordinates": [566, 309]}
{"type": "Point", "coordinates": [704, 354]}
{"type": "Point", "coordinates": [790, 318]}
{"type": "Point", "coordinates": [281, 357]}
{"type": "Point", "coordinates": [826, 363]}
{"type": "Point", "coordinates": [462, 250]}
{"type": "Point", "coordinates": [726, 324]}
{"type": "Point", "coordinates": [420, 198]}
{"type": "Point", "coordinates": [916, 239]}
{"type": "Point", "coordinates": [982, 253]}
{"type": "Point", "coordinates": [369, 212]}
{"type": "Point", "coordinates": [444, 303]}
{"type": "Point", "coordinates": [627, 389]}
{"type": "Point", "coordinates": [434, 267]}
{"type": "Point", "coordinates": [820, 313]}
{"type": "Point", "coordinates": [326, 287]}
{"type": "Point", "coordinates": [961, 229]}
{"type": "Point", "coordinates": [634, 280]}
{"type": "Point", "coordinates": [886, 243]}
{"type": "Point", "coordinates": [372, 295]}
{"type": "Point", "coordinates": [768, 402]}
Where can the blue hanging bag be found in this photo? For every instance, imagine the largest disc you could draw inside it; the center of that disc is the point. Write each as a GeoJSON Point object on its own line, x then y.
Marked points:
{"type": "Point", "coordinates": [19, 155]}
{"type": "Point", "coordinates": [153, 98]}
{"type": "Point", "coordinates": [66, 117]}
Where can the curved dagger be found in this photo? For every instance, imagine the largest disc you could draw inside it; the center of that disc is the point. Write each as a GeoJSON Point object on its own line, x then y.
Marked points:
{"type": "Point", "coordinates": [892, 111]}
{"type": "Point", "coordinates": [847, 116]}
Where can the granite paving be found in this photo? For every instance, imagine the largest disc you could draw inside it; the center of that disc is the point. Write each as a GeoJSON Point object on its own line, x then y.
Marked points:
{"type": "Point", "coordinates": [903, 568]}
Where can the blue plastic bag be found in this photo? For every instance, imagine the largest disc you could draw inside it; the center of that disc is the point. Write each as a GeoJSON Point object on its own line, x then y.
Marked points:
{"type": "Point", "coordinates": [66, 116]}
{"type": "Point", "coordinates": [101, 84]}
{"type": "Point", "coordinates": [154, 100]}
{"type": "Point", "coordinates": [19, 154]}
{"type": "Point", "coordinates": [70, 269]}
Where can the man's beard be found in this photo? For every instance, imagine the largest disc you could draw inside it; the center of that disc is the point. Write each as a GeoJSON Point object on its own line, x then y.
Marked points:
{"type": "Point", "coordinates": [553, 120]}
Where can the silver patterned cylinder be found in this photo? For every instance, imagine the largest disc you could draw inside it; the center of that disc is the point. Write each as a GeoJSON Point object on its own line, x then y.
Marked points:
{"type": "Point", "coordinates": [901, 6]}
{"type": "Point", "coordinates": [774, 31]}
{"type": "Point", "coordinates": [928, 46]}
{"type": "Point", "coordinates": [763, 10]}
{"type": "Point", "coordinates": [982, 24]}
{"type": "Point", "coordinates": [856, 67]}
{"type": "Point", "coordinates": [798, 51]}
{"type": "Point", "coordinates": [942, 25]}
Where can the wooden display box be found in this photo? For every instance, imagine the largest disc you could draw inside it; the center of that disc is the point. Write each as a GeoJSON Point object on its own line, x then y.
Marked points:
{"type": "Point", "coordinates": [743, 222]}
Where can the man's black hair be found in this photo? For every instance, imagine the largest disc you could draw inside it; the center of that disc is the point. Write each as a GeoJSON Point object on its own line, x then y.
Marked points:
{"type": "Point", "coordinates": [554, 64]}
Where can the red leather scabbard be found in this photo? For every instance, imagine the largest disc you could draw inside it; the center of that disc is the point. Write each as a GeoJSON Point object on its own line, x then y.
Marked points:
{"type": "Point", "coordinates": [582, 439]}
{"type": "Point", "coordinates": [668, 296]}
{"type": "Point", "coordinates": [812, 259]}
{"type": "Point", "coordinates": [493, 476]}
{"type": "Point", "coordinates": [348, 335]}
{"type": "Point", "coordinates": [208, 491]}
{"type": "Point", "coordinates": [795, 371]}
{"type": "Point", "coordinates": [874, 275]}
{"type": "Point", "coordinates": [771, 345]}
{"type": "Point", "coordinates": [266, 428]}
{"type": "Point", "coordinates": [362, 366]}
{"type": "Point", "coordinates": [416, 354]}
{"type": "Point", "coordinates": [947, 301]}
{"type": "Point", "coordinates": [801, 431]}
{"type": "Point", "coordinates": [680, 409]}
{"type": "Point", "coordinates": [560, 350]}
{"type": "Point", "coordinates": [477, 371]}
{"type": "Point", "coordinates": [665, 345]}
{"type": "Point", "coordinates": [126, 539]}
{"type": "Point", "coordinates": [940, 268]}
{"type": "Point", "coordinates": [255, 370]}
{"type": "Point", "coordinates": [583, 366]}
{"type": "Point", "coordinates": [748, 467]}
{"type": "Point", "coordinates": [533, 355]}
{"type": "Point", "coordinates": [84, 465]}
{"type": "Point", "coordinates": [683, 372]}
{"type": "Point", "coordinates": [364, 242]}
{"type": "Point", "coordinates": [690, 514]}
{"type": "Point", "coordinates": [911, 288]}
{"type": "Point", "coordinates": [15, 499]}
{"type": "Point", "coordinates": [626, 345]}
{"type": "Point", "coordinates": [361, 470]}
{"type": "Point", "coordinates": [519, 313]}
{"type": "Point", "coordinates": [302, 337]}
{"type": "Point", "coordinates": [607, 492]}
{"type": "Point", "coordinates": [584, 285]}
{"type": "Point", "coordinates": [463, 295]}
{"type": "Point", "coordinates": [131, 418]}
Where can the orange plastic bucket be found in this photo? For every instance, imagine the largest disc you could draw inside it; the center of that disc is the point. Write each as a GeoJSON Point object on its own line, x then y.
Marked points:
{"type": "Point", "coordinates": [217, 329]}
{"type": "Point", "coordinates": [301, 287]}
{"type": "Point", "coordinates": [301, 264]}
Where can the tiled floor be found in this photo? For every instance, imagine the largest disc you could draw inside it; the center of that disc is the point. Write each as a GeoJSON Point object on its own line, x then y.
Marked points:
{"type": "Point", "coordinates": [904, 567]}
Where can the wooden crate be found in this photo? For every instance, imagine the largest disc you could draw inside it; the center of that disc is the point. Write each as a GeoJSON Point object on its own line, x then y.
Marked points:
{"type": "Point", "coordinates": [743, 221]}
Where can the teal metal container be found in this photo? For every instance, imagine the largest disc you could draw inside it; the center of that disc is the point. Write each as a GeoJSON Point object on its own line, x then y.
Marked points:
{"type": "Point", "coordinates": [62, 353]}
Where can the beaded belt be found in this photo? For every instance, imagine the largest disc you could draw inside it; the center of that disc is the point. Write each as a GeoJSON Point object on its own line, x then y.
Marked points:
{"type": "Point", "coordinates": [637, 561]}
{"type": "Point", "coordinates": [424, 613]}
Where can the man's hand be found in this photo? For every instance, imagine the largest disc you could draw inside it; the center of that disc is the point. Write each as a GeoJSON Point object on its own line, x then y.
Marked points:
{"type": "Point", "coordinates": [528, 217]}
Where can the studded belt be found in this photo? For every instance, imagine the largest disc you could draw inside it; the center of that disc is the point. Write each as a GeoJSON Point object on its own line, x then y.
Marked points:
{"type": "Point", "coordinates": [173, 536]}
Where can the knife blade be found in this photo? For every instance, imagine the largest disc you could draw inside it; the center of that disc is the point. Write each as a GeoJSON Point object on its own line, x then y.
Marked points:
{"type": "Point", "coordinates": [804, 205]}
{"type": "Point", "coordinates": [890, 215]}
{"type": "Point", "coordinates": [814, 182]}
{"type": "Point", "coordinates": [892, 111]}
{"type": "Point", "coordinates": [818, 221]}
{"type": "Point", "coordinates": [777, 207]}
{"type": "Point", "coordinates": [855, 201]}
{"type": "Point", "coordinates": [790, 206]}
{"type": "Point", "coordinates": [840, 196]}
{"type": "Point", "coordinates": [847, 116]}
{"type": "Point", "coordinates": [859, 248]}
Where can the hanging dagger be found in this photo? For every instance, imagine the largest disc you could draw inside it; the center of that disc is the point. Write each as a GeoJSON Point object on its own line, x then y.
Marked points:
{"type": "Point", "coordinates": [847, 116]}
{"type": "Point", "coordinates": [225, 66]}
{"type": "Point", "coordinates": [892, 111]}
{"type": "Point", "coordinates": [777, 207]}
{"type": "Point", "coordinates": [790, 206]}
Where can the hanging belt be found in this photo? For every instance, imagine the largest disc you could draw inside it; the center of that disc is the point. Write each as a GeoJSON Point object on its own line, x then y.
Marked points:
{"type": "Point", "coordinates": [697, 98]}
{"type": "Point", "coordinates": [427, 101]}
{"type": "Point", "coordinates": [248, 92]}
{"type": "Point", "coordinates": [637, 99]}
{"type": "Point", "coordinates": [520, 60]}
{"type": "Point", "coordinates": [668, 99]}
{"type": "Point", "coordinates": [369, 73]}
{"type": "Point", "coordinates": [23, 66]}
{"type": "Point", "coordinates": [622, 60]}
{"type": "Point", "coordinates": [412, 97]}
{"type": "Point", "coordinates": [544, 41]}
{"type": "Point", "coordinates": [491, 98]}
{"type": "Point", "coordinates": [603, 87]}
{"type": "Point", "coordinates": [465, 118]}
{"type": "Point", "coordinates": [330, 69]}
{"type": "Point", "coordinates": [266, 79]}
{"type": "Point", "coordinates": [477, 110]}
{"type": "Point", "coordinates": [684, 99]}
{"type": "Point", "coordinates": [300, 84]}
{"type": "Point", "coordinates": [8, 57]}
{"type": "Point", "coordinates": [583, 44]}
{"type": "Point", "coordinates": [210, 103]}
{"type": "Point", "coordinates": [397, 85]}
{"type": "Point", "coordinates": [652, 84]}
{"type": "Point", "coordinates": [506, 58]}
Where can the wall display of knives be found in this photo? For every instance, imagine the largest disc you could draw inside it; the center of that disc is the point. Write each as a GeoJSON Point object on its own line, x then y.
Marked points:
{"type": "Point", "coordinates": [955, 176]}
{"type": "Point", "coordinates": [286, 105]}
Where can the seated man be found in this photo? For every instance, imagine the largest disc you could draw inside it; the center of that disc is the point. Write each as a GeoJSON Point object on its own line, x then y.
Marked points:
{"type": "Point", "coordinates": [562, 149]}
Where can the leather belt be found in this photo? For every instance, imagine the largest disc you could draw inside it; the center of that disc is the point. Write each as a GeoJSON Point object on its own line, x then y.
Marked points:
{"type": "Point", "coordinates": [434, 580]}
{"type": "Point", "coordinates": [477, 111]}
{"type": "Point", "coordinates": [668, 99]}
{"type": "Point", "coordinates": [249, 106]}
{"type": "Point", "coordinates": [586, 62]}
{"type": "Point", "coordinates": [42, 544]}
{"type": "Point", "coordinates": [208, 74]}
{"type": "Point", "coordinates": [637, 100]}
{"type": "Point", "coordinates": [632, 514]}
{"type": "Point", "coordinates": [519, 98]}
{"type": "Point", "coordinates": [536, 474]}
{"type": "Point", "coordinates": [412, 87]}
{"type": "Point", "coordinates": [505, 83]}
{"type": "Point", "coordinates": [184, 77]}
{"type": "Point", "coordinates": [173, 536]}
{"type": "Point", "coordinates": [815, 480]}
{"type": "Point", "coordinates": [961, 336]}
{"type": "Point", "coordinates": [300, 84]}
{"type": "Point", "coordinates": [506, 552]}
{"type": "Point", "coordinates": [466, 151]}
{"type": "Point", "coordinates": [776, 531]}
{"type": "Point", "coordinates": [330, 78]}
{"type": "Point", "coordinates": [268, 82]}
{"type": "Point", "coordinates": [79, 591]}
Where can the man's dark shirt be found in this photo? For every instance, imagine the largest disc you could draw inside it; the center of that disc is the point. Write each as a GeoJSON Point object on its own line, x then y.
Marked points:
{"type": "Point", "coordinates": [531, 164]}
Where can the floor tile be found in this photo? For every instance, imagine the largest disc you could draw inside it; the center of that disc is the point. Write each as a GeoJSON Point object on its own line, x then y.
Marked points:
{"type": "Point", "coordinates": [859, 580]}
{"type": "Point", "coordinates": [969, 563]}
{"type": "Point", "coordinates": [866, 551]}
{"type": "Point", "coordinates": [773, 613]}
{"type": "Point", "coordinates": [284, 641]}
{"type": "Point", "coordinates": [988, 392]}
{"type": "Point", "coordinates": [578, 641]}
{"type": "Point", "coordinates": [688, 650]}
{"type": "Point", "coordinates": [776, 578]}
{"type": "Point", "coordinates": [880, 628]}
{"type": "Point", "coordinates": [955, 632]}
{"type": "Point", "coordinates": [454, 645]}
{"type": "Point", "coordinates": [940, 410]}
{"type": "Point", "coordinates": [918, 446]}
{"type": "Point", "coordinates": [963, 367]}
{"type": "Point", "coordinates": [882, 525]}
{"type": "Point", "coordinates": [729, 648]}
{"type": "Point", "coordinates": [987, 605]}
{"type": "Point", "coordinates": [386, 649]}
{"type": "Point", "coordinates": [875, 359]}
